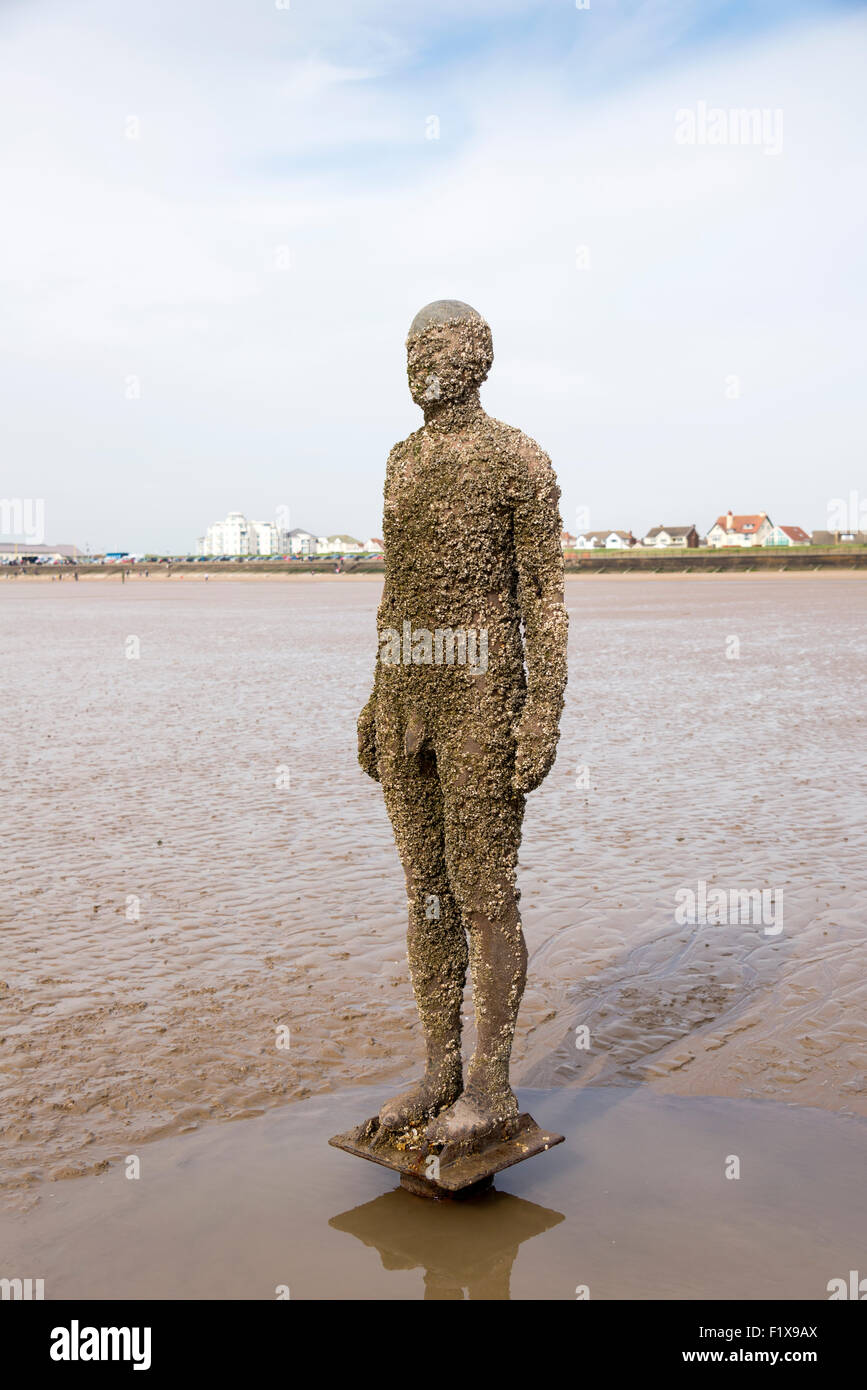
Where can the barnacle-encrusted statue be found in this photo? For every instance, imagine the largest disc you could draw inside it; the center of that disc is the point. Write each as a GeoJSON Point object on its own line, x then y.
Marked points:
{"type": "Point", "coordinates": [457, 729]}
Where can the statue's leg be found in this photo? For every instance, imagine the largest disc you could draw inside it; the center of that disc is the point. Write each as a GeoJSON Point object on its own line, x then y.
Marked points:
{"type": "Point", "coordinates": [436, 941]}
{"type": "Point", "coordinates": [483, 819]}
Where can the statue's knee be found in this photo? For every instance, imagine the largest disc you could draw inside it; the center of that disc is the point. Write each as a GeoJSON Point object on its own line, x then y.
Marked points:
{"type": "Point", "coordinates": [430, 904]}
{"type": "Point", "coordinates": [494, 903]}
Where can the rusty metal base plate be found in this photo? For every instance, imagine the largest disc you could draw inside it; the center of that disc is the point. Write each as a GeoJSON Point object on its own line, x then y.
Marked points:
{"type": "Point", "coordinates": [464, 1176]}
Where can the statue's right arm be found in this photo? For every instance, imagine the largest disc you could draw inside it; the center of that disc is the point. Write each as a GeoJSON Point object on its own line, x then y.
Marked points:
{"type": "Point", "coordinates": [367, 736]}
{"type": "Point", "coordinates": [367, 719]}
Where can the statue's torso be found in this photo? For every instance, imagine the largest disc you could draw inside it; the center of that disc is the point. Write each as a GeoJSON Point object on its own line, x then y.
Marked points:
{"type": "Point", "coordinates": [450, 555]}
{"type": "Point", "coordinates": [451, 567]}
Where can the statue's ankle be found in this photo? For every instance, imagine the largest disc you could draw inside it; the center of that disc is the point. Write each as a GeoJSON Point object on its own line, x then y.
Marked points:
{"type": "Point", "coordinates": [445, 1072]}
{"type": "Point", "coordinates": [488, 1085]}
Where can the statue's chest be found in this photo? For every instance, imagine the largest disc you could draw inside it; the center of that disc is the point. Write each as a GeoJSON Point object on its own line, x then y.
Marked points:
{"type": "Point", "coordinates": [439, 497]}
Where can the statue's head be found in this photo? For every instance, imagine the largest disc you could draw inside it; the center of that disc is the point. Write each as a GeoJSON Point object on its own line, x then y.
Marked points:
{"type": "Point", "coordinates": [449, 352]}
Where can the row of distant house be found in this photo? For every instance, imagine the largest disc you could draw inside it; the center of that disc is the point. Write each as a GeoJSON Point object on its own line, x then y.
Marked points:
{"type": "Point", "coordinates": [729, 529]}
{"type": "Point", "coordinates": [238, 536]}
{"type": "Point", "coordinates": [304, 543]}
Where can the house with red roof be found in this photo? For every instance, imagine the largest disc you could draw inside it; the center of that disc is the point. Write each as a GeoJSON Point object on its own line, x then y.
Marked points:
{"type": "Point", "coordinates": [787, 535]}
{"type": "Point", "coordinates": [749, 529]}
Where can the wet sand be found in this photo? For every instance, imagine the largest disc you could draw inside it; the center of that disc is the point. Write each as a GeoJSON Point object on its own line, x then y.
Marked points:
{"type": "Point", "coordinates": [634, 1205]}
{"type": "Point", "coordinates": [168, 901]}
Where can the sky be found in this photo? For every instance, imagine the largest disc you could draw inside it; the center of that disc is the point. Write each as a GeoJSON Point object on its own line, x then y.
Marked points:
{"type": "Point", "coordinates": [220, 217]}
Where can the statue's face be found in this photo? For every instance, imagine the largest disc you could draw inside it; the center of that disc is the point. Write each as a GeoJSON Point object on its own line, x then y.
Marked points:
{"type": "Point", "coordinates": [448, 361]}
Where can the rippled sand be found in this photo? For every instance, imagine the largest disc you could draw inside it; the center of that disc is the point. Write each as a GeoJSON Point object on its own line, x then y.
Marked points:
{"type": "Point", "coordinates": [159, 779]}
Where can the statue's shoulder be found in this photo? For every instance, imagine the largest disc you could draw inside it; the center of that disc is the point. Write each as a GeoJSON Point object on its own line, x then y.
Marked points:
{"type": "Point", "coordinates": [526, 462]}
{"type": "Point", "coordinates": [402, 453]}
{"type": "Point", "coordinates": [406, 448]}
{"type": "Point", "coordinates": [410, 444]}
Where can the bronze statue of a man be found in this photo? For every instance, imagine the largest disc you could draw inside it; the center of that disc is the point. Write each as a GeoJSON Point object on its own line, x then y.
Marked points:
{"type": "Point", "coordinates": [463, 719]}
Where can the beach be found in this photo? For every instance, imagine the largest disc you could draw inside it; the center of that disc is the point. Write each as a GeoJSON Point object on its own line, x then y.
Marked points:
{"type": "Point", "coordinates": [195, 863]}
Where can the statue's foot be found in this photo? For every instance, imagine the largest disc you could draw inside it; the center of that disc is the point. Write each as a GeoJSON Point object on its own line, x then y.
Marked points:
{"type": "Point", "coordinates": [414, 1107]}
{"type": "Point", "coordinates": [474, 1121]}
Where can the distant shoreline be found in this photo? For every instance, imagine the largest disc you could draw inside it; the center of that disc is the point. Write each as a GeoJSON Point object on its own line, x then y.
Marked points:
{"type": "Point", "coordinates": [624, 576]}
{"type": "Point", "coordinates": [692, 564]}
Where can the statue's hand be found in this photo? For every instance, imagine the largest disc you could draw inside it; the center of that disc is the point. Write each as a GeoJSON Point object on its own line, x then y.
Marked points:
{"type": "Point", "coordinates": [367, 740]}
{"type": "Point", "coordinates": [535, 749]}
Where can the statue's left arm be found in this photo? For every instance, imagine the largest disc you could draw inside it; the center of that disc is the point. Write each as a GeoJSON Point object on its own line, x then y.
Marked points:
{"type": "Point", "coordinates": [537, 530]}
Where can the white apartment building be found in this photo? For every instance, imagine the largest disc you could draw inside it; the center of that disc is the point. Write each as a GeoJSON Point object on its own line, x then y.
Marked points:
{"type": "Point", "coordinates": [269, 539]}
{"type": "Point", "coordinates": [238, 536]}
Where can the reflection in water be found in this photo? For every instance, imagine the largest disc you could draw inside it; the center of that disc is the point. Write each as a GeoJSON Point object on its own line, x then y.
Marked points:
{"type": "Point", "coordinates": [469, 1245]}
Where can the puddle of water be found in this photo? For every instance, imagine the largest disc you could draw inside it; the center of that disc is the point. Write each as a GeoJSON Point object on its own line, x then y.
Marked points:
{"type": "Point", "coordinates": [636, 1204]}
